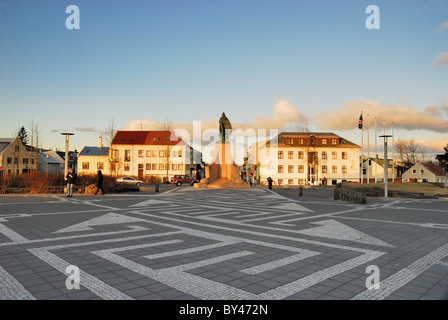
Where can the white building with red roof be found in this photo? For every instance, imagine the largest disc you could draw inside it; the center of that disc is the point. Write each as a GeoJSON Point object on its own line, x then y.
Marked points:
{"type": "Point", "coordinates": [144, 154]}
{"type": "Point", "coordinates": [426, 172]}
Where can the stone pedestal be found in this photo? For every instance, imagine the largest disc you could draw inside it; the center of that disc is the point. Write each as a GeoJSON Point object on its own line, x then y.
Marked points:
{"type": "Point", "coordinates": [222, 172]}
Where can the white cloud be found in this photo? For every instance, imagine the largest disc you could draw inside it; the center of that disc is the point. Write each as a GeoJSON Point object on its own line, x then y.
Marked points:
{"type": "Point", "coordinates": [441, 60]}
{"type": "Point", "coordinates": [443, 27]}
{"type": "Point", "coordinates": [404, 117]}
{"type": "Point", "coordinates": [282, 113]}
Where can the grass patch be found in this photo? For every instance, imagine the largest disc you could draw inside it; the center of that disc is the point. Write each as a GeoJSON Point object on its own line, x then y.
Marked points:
{"type": "Point", "coordinates": [427, 189]}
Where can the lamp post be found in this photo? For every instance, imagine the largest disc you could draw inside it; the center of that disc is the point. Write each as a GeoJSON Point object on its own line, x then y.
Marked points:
{"type": "Point", "coordinates": [67, 135]}
{"type": "Point", "coordinates": [48, 157]}
{"type": "Point", "coordinates": [386, 164]}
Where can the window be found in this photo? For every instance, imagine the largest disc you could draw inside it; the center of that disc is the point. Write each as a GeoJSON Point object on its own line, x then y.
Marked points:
{"type": "Point", "coordinates": [161, 153]}
{"type": "Point", "coordinates": [300, 141]}
{"type": "Point", "coordinates": [126, 167]}
{"type": "Point", "coordinates": [154, 166]}
{"type": "Point", "coordinates": [154, 153]}
{"type": "Point", "coordinates": [414, 171]}
{"type": "Point", "coordinates": [290, 181]}
{"type": "Point", "coordinates": [421, 171]}
{"type": "Point", "coordinates": [148, 153]}
{"type": "Point", "coordinates": [289, 140]}
{"type": "Point", "coordinates": [290, 154]}
{"type": "Point", "coordinates": [280, 154]}
{"type": "Point", "coordinates": [25, 160]}
{"type": "Point", "coordinates": [344, 155]}
{"type": "Point", "coordinates": [324, 169]}
{"type": "Point", "coordinates": [344, 169]}
{"type": "Point", "coordinates": [100, 166]}
{"type": "Point", "coordinates": [127, 155]}
{"type": "Point", "coordinates": [290, 169]}
{"type": "Point", "coordinates": [180, 167]}
{"type": "Point", "coordinates": [174, 154]}
{"type": "Point", "coordinates": [301, 169]}
{"type": "Point", "coordinates": [180, 153]}
{"type": "Point", "coordinates": [85, 166]}
{"type": "Point", "coordinates": [114, 155]}
{"type": "Point", "coordinates": [324, 155]}
{"type": "Point", "coordinates": [148, 167]}
{"type": "Point", "coordinates": [334, 155]}
{"type": "Point", "coordinates": [300, 154]}
{"type": "Point", "coordinates": [161, 166]}
{"type": "Point", "coordinates": [334, 141]}
{"type": "Point", "coordinates": [280, 182]}
{"type": "Point", "coordinates": [334, 169]}
{"type": "Point", "coordinates": [324, 141]}
{"type": "Point", "coordinates": [280, 169]}
{"type": "Point", "coordinates": [141, 153]}
{"type": "Point", "coordinates": [174, 167]}
{"type": "Point", "coordinates": [140, 166]}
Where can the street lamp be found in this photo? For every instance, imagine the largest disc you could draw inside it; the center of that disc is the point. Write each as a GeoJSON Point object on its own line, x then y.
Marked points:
{"type": "Point", "coordinates": [386, 164]}
{"type": "Point", "coordinates": [48, 157]}
{"type": "Point", "coordinates": [67, 135]}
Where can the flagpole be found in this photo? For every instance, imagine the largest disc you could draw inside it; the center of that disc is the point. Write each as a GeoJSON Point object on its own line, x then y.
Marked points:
{"type": "Point", "coordinates": [393, 154]}
{"type": "Point", "coordinates": [385, 164]}
{"type": "Point", "coordinates": [368, 149]}
{"type": "Point", "coordinates": [362, 152]}
{"type": "Point", "coordinates": [376, 154]}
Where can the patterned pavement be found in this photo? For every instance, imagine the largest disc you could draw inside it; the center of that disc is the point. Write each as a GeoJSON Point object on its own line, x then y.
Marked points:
{"type": "Point", "coordinates": [189, 244]}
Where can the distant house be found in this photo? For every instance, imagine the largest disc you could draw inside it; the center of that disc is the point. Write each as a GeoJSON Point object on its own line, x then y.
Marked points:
{"type": "Point", "coordinates": [14, 157]}
{"type": "Point", "coordinates": [426, 172]}
{"type": "Point", "coordinates": [374, 169]}
{"type": "Point", "coordinates": [50, 162]}
{"type": "Point", "coordinates": [92, 159]}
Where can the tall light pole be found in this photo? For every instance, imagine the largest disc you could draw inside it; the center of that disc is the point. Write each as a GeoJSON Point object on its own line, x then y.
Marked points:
{"type": "Point", "coordinates": [67, 135]}
{"type": "Point", "coordinates": [386, 164]}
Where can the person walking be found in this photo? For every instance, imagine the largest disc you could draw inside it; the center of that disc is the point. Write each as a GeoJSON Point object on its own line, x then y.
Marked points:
{"type": "Point", "coordinates": [270, 183]}
{"type": "Point", "coordinates": [99, 183]}
{"type": "Point", "coordinates": [71, 179]}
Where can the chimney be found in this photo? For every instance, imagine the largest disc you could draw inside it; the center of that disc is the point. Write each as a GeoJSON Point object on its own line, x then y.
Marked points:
{"type": "Point", "coordinates": [100, 142]}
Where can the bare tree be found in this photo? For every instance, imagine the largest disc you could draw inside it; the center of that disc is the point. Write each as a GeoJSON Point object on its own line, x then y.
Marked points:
{"type": "Point", "coordinates": [400, 148]}
{"type": "Point", "coordinates": [409, 151]}
{"type": "Point", "coordinates": [114, 160]}
{"type": "Point", "coordinates": [35, 143]}
{"type": "Point", "coordinates": [167, 125]}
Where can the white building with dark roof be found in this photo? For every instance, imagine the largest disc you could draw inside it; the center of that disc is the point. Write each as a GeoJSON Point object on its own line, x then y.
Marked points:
{"type": "Point", "coordinates": [304, 158]}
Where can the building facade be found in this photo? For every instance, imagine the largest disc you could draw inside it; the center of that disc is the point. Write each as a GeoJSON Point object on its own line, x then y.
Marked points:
{"type": "Point", "coordinates": [14, 157]}
{"type": "Point", "coordinates": [92, 159]}
{"type": "Point", "coordinates": [426, 172]}
{"type": "Point", "coordinates": [160, 154]}
{"type": "Point", "coordinates": [305, 158]}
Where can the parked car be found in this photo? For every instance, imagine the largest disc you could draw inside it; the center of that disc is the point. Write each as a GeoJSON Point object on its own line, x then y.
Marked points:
{"type": "Point", "coordinates": [181, 179]}
{"type": "Point", "coordinates": [130, 180]}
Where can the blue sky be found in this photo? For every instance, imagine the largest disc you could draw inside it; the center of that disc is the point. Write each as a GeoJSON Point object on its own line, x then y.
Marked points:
{"type": "Point", "coordinates": [192, 60]}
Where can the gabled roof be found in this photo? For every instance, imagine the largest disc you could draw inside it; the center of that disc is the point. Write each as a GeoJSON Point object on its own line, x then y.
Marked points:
{"type": "Point", "coordinates": [5, 142]}
{"type": "Point", "coordinates": [161, 138]}
{"type": "Point", "coordinates": [437, 170]}
{"type": "Point", "coordinates": [342, 142]}
{"type": "Point", "coordinates": [94, 151]}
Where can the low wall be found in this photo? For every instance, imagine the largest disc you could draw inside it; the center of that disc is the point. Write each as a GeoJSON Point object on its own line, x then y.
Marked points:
{"type": "Point", "coordinates": [349, 195]}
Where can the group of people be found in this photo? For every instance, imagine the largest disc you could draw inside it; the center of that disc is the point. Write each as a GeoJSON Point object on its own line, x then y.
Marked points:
{"type": "Point", "coordinates": [71, 178]}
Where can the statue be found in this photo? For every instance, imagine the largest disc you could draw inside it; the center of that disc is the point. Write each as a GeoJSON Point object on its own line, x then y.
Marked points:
{"type": "Point", "coordinates": [225, 128]}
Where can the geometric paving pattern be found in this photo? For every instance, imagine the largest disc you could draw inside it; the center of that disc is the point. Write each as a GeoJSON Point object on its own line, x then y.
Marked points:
{"type": "Point", "coordinates": [251, 244]}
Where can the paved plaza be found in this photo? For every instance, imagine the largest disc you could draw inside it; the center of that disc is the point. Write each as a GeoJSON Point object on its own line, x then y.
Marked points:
{"type": "Point", "coordinates": [192, 244]}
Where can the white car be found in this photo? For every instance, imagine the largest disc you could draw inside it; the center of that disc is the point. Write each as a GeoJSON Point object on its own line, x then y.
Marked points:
{"type": "Point", "coordinates": [130, 180]}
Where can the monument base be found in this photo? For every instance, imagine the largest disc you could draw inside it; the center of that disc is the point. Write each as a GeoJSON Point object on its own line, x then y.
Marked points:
{"type": "Point", "coordinates": [222, 172]}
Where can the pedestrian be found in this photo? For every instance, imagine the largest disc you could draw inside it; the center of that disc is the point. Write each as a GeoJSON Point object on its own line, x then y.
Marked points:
{"type": "Point", "coordinates": [270, 183]}
{"type": "Point", "coordinates": [250, 178]}
{"type": "Point", "coordinates": [99, 183]}
{"type": "Point", "coordinates": [71, 179]}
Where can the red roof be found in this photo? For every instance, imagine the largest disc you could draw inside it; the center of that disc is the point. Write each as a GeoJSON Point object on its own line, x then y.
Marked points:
{"type": "Point", "coordinates": [160, 138]}
{"type": "Point", "coordinates": [437, 170]}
